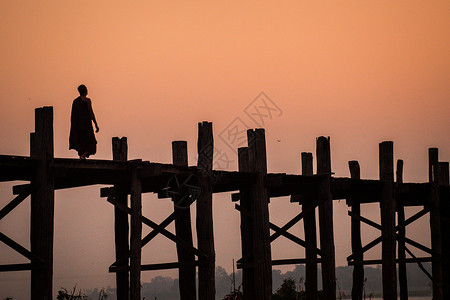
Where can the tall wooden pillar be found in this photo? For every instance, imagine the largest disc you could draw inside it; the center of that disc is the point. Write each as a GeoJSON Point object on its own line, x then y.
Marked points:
{"type": "Point", "coordinates": [358, 268]}
{"type": "Point", "coordinates": [326, 218]}
{"type": "Point", "coordinates": [183, 230]}
{"type": "Point", "coordinates": [42, 206]}
{"type": "Point", "coordinates": [120, 150]}
{"type": "Point", "coordinates": [205, 232]}
{"type": "Point", "coordinates": [259, 210]}
{"type": "Point", "coordinates": [387, 207]}
{"type": "Point", "coordinates": [402, 278]}
{"type": "Point", "coordinates": [444, 205]}
{"type": "Point", "coordinates": [136, 235]}
{"type": "Point", "coordinates": [435, 225]}
{"type": "Point", "coordinates": [248, 282]}
{"type": "Point", "coordinates": [309, 224]}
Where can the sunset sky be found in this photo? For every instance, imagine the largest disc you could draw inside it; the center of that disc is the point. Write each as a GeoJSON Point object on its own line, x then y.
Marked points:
{"type": "Point", "coordinates": [361, 72]}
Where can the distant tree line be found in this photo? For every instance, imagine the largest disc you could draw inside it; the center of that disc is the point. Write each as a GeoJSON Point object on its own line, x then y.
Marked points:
{"type": "Point", "coordinates": [166, 288]}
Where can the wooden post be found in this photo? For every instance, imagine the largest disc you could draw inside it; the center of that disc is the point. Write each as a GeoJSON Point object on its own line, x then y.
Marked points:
{"type": "Point", "coordinates": [326, 218]}
{"type": "Point", "coordinates": [358, 268]}
{"type": "Point", "coordinates": [120, 150]}
{"type": "Point", "coordinates": [205, 232]}
{"type": "Point", "coordinates": [433, 154]}
{"type": "Point", "coordinates": [259, 210]}
{"type": "Point", "coordinates": [387, 207]}
{"type": "Point", "coordinates": [435, 224]}
{"type": "Point", "coordinates": [136, 235]}
{"type": "Point", "coordinates": [309, 224]}
{"type": "Point", "coordinates": [183, 230]}
{"type": "Point", "coordinates": [248, 284]}
{"type": "Point", "coordinates": [402, 278]}
{"type": "Point", "coordinates": [42, 206]}
{"type": "Point", "coordinates": [444, 209]}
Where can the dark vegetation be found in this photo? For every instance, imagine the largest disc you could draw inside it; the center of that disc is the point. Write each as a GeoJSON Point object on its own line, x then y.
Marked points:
{"type": "Point", "coordinates": [285, 285]}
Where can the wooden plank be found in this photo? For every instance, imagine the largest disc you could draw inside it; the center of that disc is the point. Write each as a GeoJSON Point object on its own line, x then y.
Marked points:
{"type": "Point", "coordinates": [435, 224]}
{"type": "Point", "coordinates": [309, 225]}
{"type": "Point", "coordinates": [151, 267]}
{"type": "Point", "coordinates": [358, 270]}
{"type": "Point", "coordinates": [403, 282]}
{"type": "Point", "coordinates": [204, 221]}
{"type": "Point", "coordinates": [326, 219]}
{"type": "Point", "coordinates": [121, 228]}
{"type": "Point", "coordinates": [135, 236]}
{"type": "Point", "coordinates": [259, 208]}
{"type": "Point", "coordinates": [379, 261]}
{"type": "Point", "coordinates": [15, 267]}
{"type": "Point", "coordinates": [387, 208]}
{"type": "Point", "coordinates": [186, 271]}
{"type": "Point", "coordinates": [42, 206]}
{"type": "Point", "coordinates": [248, 284]}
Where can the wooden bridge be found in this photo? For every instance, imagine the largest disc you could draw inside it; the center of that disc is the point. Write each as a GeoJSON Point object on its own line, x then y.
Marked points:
{"type": "Point", "coordinates": [254, 188]}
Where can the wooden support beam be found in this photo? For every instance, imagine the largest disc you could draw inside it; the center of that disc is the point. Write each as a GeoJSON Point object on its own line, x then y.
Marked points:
{"type": "Point", "coordinates": [360, 218]}
{"type": "Point", "coordinates": [403, 282]}
{"type": "Point", "coordinates": [151, 267]}
{"type": "Point", "coordinates": [120, 153]}
{"type": "Point", "coordinates": [309, 225]}
{"type": "Point", "coordinates": [259, 208]}
{"type": "Point", "coordinates": [387, 208]}
{"type": "Point", "coordinates": [326, 219]}
{"type": "Point", "coordinates": [370, 245]}
{"type": "Point", "coordinates": [204, 221]}
{"type": "Point", "coordinates": [358, 270]}
{"type": "Point", "coordinates": [135, 236]}
{"type": "Point", "coordinates": [246, 230]}
{"type": "Point", "coordinates": [164, 232]}
{"type": "Point", "coordinates": [15, 267]}
{"type": "Point", "coordinates": [18, 248]}
{"type": "Point", "coordinates": [183, 230]}
{"type": "Point", "coordinates": [15, 202]}
{"type": "Point", "coordinates": [444, 208]}
{"type": "Point", "coordinates": [42, 205]}
{"type": "Point", "coordinates": [435, 225]}
{"type": "Point", "coordinates": [379, 261]}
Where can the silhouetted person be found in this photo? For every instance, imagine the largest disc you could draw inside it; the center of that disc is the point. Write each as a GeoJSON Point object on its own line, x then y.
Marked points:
{"type": "Point", "coordinates": [82, 136]}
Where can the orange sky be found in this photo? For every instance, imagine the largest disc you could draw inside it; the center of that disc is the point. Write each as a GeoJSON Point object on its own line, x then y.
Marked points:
{"type": "Point", "coordinates": [360, 72]}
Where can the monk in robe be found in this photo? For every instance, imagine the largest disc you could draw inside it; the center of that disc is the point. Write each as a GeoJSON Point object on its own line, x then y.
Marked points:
{"type": "Point", "coordinates": [82, 137]}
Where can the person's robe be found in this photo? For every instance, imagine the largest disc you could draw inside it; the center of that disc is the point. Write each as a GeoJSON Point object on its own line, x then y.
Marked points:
{"type": "Point", "coordinates": [82, 136]}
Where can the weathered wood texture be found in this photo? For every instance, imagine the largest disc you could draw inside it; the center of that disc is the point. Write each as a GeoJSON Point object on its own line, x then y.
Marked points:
{"type": "Point", "coordinates": [42, 206]}
{"type": "Point", "coordinates": [186, 259]}
{"type": "Point", "coordinates": [205, 232]}
{"type": "Point", "coordinates": [326, 218]}
{"type": "Point", "coordinates": [120, 153]}
{"type": "Point", "coordinates": [387, 209]}
{"type": "Point", "coordinates": [435, 224]}
{"type": "Point", "coordinates": [136, 235]}
{"type": "Point", "coordinates": [403, 283]}
{"type": "Point", "coordinates": [246, 231]}
{"type": "Point", "coordinates": [309, 224]}
{"type": "Point", "coordinates": [358, 269]}
{"type": "Point", "coordinates": [259, 210]}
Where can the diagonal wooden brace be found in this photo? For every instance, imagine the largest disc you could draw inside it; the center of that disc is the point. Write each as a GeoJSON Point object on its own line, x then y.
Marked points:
{"type": "Point", "coordinates": [164, 232]}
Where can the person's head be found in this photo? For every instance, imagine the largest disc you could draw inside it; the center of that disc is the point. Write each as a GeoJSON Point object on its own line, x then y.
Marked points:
{"type": "Point", "coordinates": [82, 89]}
